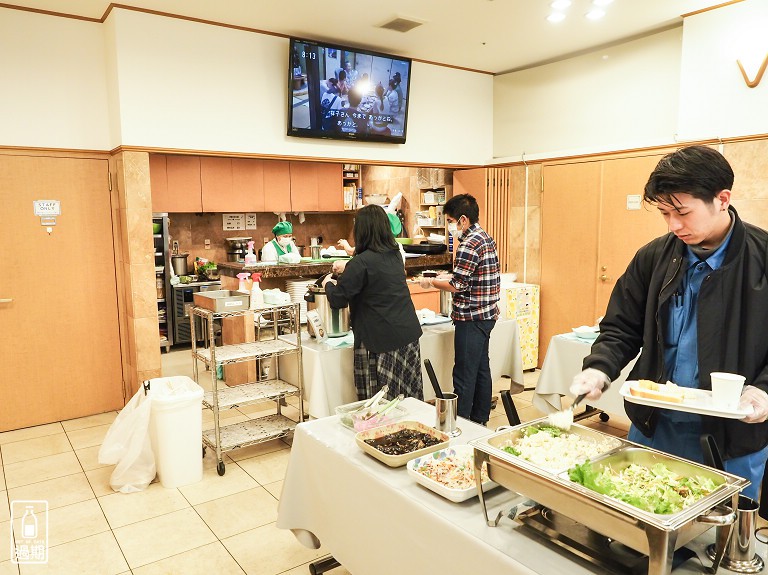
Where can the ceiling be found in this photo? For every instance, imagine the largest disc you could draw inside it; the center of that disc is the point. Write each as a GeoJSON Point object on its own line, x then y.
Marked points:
{"type": "Point", "coordinates": [488, 35]}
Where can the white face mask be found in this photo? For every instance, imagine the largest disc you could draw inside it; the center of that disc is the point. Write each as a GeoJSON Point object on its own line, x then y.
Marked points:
{"type": "Point", "coordinates": [283, 242]}
{"type": "Point", "coordinates": [453, 229]}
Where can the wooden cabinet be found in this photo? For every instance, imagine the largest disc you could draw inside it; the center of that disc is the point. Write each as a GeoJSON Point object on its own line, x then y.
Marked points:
{"type": "Point", "coordinates": [329, 192]}
{"type": "Point", "coordinates": [422, 298]}
{"type": "Point", "coordinates": [277, 186]}
{"type": "Point", "coordinates": [209, 184]}
{"type": "Point", "coordinates": [183, 193]}
{"type": "Point", "coordinates": [247, 185]}
{"type": "Point", "coordinates": [316, 187]}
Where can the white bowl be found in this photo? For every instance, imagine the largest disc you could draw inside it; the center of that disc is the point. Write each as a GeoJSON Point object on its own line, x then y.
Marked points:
{"type": "Point", "coordinates": [588, 332]}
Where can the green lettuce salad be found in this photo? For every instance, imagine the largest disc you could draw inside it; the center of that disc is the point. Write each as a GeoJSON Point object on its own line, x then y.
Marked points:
{"type": "Point", "coordinates": [656, 489]}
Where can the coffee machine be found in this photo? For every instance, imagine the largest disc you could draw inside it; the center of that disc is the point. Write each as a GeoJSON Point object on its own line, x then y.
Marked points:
{"type": "Point", "coordinates": [237, 248]}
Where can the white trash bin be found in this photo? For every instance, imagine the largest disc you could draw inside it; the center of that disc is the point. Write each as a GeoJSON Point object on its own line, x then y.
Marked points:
{"type": "Point", "coordinates": [176, 429]}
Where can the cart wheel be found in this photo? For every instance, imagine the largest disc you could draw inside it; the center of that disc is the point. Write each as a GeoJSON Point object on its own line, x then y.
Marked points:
{"type": "Point", "coordinates": [220, 468]}
{"type": "Point", "coordinates": [604, 417]}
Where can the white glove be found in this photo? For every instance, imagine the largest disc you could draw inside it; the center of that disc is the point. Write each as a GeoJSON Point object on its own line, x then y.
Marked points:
{"type": "Point", "coordinates": [591, 382]}
{"type": "Point", "coordinates": [425, 283]}
{"type": "Point", "coordinates": [758, 399]}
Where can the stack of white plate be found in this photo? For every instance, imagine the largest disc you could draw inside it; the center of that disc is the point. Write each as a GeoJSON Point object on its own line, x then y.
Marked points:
{"type": "Point", "coordinates": [296, 289]}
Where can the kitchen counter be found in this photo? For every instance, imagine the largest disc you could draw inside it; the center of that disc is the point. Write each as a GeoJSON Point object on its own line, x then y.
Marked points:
{"type": "Point", "coordinates": [315, 269]}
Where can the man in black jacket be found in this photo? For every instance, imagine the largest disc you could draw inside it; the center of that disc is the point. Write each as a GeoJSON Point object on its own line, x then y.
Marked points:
{"type": "Point", "coordinates": [692, 302]}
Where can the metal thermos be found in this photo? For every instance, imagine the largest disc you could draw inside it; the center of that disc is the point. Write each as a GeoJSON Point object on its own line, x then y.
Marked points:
{"type": "Point", "coordinates": [335, 321]}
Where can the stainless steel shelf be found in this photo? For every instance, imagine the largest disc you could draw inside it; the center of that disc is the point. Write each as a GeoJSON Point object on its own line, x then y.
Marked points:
{"type": "Point", "coordinates": [237, 435]}
{"type": "Point", "coordinates": [238, 352]}
{"type": "Point", "coordinates": [247, 393]}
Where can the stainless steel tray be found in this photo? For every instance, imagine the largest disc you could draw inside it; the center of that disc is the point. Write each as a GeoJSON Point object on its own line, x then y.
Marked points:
{"type": "Point", "coordinates": [654, 535]}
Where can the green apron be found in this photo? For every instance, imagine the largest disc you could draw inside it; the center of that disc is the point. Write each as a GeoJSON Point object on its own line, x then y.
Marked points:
{"type": "Point", "coordinates": [279, 249]}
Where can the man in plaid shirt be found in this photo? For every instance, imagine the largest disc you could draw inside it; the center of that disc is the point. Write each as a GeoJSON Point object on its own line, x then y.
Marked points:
{"type": "Point", "coordinates": [475, 284]}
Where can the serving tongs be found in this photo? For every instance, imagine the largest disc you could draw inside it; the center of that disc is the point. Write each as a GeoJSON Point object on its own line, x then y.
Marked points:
{"type": "Point", "coordinates": [372, 401]}
{"type": "Point", "coordinates": [564, 418]}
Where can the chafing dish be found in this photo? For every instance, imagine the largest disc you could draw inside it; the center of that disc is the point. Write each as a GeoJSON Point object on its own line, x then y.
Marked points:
{"type": "Point", "coordinates": [656, 536]}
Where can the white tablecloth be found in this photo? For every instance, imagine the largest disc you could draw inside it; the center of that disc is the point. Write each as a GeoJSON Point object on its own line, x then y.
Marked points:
{"type": "Point", "coordinates": [376, 520]}
{"type": "Point", "coordinates": [328, 379]}
{"type": "Point", "coordinates": [563, 361]}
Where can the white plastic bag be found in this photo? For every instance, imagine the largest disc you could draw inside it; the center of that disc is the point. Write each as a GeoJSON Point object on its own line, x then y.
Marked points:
{"type": "Point", "coordinates": [128, 445]}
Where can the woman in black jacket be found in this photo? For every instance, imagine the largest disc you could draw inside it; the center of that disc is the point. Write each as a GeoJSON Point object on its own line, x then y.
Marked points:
{"type": "Point", "coordinates": [696, 302]}
{"type": "Point", "coordinates": [382, 315]}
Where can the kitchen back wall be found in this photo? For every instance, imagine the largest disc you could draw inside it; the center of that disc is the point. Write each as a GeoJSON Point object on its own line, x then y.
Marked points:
{"type": "Point", "coordinates": [191, 231]}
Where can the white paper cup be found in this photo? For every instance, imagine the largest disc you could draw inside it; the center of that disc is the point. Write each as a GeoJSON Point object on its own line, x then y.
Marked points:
{"type": "Point", "coordinates": [726, 389]}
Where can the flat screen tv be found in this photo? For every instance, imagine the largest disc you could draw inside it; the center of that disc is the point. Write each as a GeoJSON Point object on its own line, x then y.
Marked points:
{"type": "Point", "coordinates": [347, 93]}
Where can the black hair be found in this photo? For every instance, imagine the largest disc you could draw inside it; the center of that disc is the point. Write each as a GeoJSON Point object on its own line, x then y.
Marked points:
{"type": "Point", "coordinates": [355, 97]}
{"type": "Point", "coordinates": [696, 170]}
{"type": "Point", "coordinates": [462, 205]}
{"type": "Point", "coordinates": [342, 75]}
{"type": "Point", "coordinates": [372, 231]}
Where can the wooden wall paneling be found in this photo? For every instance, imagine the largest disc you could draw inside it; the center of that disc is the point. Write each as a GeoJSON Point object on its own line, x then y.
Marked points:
{"type": "Point", "coordinates": [216, 185]}
{"type": "Point", "coordinates": [570, 217]}
{"type": "Point", "coordinates": [277, 186]}
{"type": "Point", "coordinates": [158, 181]}
{"type": "Point", "coordinates": [184, 190]}
{"type": "Point", "coordinates": [248, 184]}
{"type": "Point", "coordinates": [329, 187]}
{"type": "Point", "coordinates": [304, 187]}
{"type": "Point", "coordinates": [61, 347]}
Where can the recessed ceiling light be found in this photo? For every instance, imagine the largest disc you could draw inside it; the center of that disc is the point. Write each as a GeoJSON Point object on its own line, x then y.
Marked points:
{"type": "Point", "coordinates": [595, 14]}
{"type": "Point", "coordinates": [560, 4]}
{"type": "Point", "coordinates": [556, 17]}
{"type": "Point", "coordinates": [601, 2]}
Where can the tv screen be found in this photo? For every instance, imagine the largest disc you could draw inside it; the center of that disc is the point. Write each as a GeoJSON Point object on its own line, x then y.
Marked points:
{"type": "Point", "coordinates": [347, 93]}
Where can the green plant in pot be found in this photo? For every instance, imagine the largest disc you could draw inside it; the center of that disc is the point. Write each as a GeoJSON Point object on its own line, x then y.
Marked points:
{"type": "Point", "coordinates": [209, 270]}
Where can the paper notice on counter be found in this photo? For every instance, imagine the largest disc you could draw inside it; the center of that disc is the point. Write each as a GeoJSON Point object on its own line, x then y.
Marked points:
{"type": "Point", "coordinates": [233, 222]}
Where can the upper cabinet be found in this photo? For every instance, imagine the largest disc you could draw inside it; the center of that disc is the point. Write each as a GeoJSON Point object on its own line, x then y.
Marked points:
{"type": "Point", "coordinates": [232, 185]}
{"type": "Point", "coordinates": [316, 187]}
{"type": "Point", "coordinates": [175, 182]}
{"type": "Point", "coordinates": [277, 186]}
{"type": "Point", "coordinates": [212, 184]}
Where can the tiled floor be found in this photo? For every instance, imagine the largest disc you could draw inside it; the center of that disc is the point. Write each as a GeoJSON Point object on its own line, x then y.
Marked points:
{"type": "Point", "coordinates": [222, 525]}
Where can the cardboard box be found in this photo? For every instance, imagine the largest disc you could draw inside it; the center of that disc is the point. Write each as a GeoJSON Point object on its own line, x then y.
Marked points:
{"type": "Point", "coordinates": [222, 300]}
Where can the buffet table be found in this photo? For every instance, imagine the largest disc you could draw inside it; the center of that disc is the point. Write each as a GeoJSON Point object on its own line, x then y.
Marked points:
{"type": "Point", "coordinates": [563, 361]}
{"type": "Point", "coordinates": [376, 520]}
{"type": "Point", "coordinates": [328, 379]}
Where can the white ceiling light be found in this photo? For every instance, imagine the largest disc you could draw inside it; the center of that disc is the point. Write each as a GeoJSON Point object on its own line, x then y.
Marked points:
{"type": "Point", "coordinates": [560, 4]}
{"type": "Point", "coordinates": [595, 14]}
{"type": "Point", "coordinates": [601, 2]}
{"type": "Point", "coordinates": [556, 17]}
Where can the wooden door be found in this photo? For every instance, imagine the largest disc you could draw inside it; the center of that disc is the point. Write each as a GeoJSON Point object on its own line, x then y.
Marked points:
{"type": "Point", "coordinates": [570, 207]}
{"type": "Point", "coordinates": [473, 182]}
{"type": "Point", "coordinates": [623, 229]}
{"type": "Point", "coordinates": [277, 186]}
{"type": "Point", "coordinates": [329, 188]}
{"type": "Point", "coordinates": [216, 185]}
{"type": "Point", "coordinates": [304, 187]}
{"type": "Point", "coordinates": [59, 334]}
{"type": "Point", "coordinates": [248, 185]}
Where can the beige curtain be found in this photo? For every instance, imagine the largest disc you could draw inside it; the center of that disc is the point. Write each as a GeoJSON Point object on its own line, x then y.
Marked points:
{"type": "Point", "coordinates": [498, 201]}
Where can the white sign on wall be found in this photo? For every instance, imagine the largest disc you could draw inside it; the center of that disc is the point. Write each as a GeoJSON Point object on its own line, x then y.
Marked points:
{"type": "Point", "coordinates": [634, 201]}
{"type": "Point", "coordinates": [47, 207]}
{"type": "Point", "coordinates": [233, 221]}
{"type": "Point", "coordinates": [250, 221]}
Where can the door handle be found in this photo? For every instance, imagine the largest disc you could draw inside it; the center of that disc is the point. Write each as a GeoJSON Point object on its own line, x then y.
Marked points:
{"type": "Point", "coordinates": [6, 300]}
{"type": "Point", "coordinates": [604, 278]}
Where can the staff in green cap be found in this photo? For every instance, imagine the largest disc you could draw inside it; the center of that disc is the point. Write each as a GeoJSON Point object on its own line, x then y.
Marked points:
{"type": "Point", "coordinates": [281, 245]}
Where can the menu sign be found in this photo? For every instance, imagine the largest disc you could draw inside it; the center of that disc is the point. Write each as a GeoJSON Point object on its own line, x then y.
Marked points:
{"type": "Point", "coordinates": [233, 222]}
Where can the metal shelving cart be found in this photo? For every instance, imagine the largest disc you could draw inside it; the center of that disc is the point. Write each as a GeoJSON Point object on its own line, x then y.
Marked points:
{"type": "Point", "coordinates": [274, 426]}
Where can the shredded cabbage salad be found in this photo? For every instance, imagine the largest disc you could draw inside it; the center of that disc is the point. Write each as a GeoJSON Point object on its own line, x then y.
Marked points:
{"type": "Point", "coordinates": [554, 449]}
{"type": "Point", "coordinates": [656, 489]}
{"type": "Point", "coordinates": [453, 471]}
